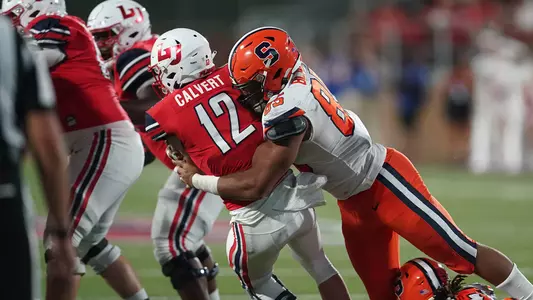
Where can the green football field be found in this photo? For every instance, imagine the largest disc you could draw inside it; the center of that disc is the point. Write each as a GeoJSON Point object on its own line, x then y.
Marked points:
{"type": "Point", "coordinates": [493, 209]}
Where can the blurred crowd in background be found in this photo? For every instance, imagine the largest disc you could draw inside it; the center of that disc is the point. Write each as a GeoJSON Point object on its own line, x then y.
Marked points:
{"type": "Point", "coordinates": [421, 75]}
{"type": "Point", "coordinates": [444, 81]}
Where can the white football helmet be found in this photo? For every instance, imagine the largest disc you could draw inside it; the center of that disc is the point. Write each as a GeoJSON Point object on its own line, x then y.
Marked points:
{"type": "Point", "coordinates": [22, 12]}
{"type": "Point", "coordinates": [118, 24]}
{"type": "Point", "coordinates": [180, 56]}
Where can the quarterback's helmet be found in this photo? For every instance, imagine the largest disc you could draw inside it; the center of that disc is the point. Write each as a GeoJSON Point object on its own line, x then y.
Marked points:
{"type": "Point", "coordinates": [421, 279]}
{"type": "Point", "coordinates": [180, 56]}
{"type": "Point", "coordinates": [22, 12]}
{"type": "Point", "coordinates": [261, 64]}
{"type": "Point", "coordinates": [118, 24]}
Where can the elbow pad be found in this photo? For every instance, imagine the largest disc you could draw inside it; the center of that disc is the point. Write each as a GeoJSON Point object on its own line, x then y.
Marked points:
{"type": "Point", "coordinates": [290, 127]}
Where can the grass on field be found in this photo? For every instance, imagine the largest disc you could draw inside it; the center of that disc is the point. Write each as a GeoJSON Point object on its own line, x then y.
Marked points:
{"type": "Point", "coordinates": [495, 210]}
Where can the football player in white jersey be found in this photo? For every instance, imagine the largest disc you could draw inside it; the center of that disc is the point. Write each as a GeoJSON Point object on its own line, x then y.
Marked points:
{"type": "Point", "coordinates": [380, 194]}
{"type": "Point", "coordinates": [123, 33]}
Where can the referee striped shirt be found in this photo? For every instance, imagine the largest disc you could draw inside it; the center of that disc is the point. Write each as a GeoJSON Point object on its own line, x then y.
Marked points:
{"type": "Point", "coordinates": [25, 86]}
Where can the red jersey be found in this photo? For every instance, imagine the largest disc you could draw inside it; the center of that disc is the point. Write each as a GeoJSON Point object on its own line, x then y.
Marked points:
{"type": "Point", "coordinates": [130, 72]}
{"type": "Point", "coordinates": [131, 69]}
{"type": "Point", "coordinates": [85, 96]}
{"type": "Point", "coordinates": [219, 134]}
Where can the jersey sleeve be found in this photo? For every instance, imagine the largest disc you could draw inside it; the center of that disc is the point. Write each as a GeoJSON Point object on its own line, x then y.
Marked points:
{"type": "Point", "coordinates": [153, 129]}
{"type": "Point", "coordinates": [50, 32]}
{"type": "Point", "coordinates": [283, 117]}
{"type": "Point", "coordinates": [155, 141]}
{"type": "Point", "coordinates": [131, 70]}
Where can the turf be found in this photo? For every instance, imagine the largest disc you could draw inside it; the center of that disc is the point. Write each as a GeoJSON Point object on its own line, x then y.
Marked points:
{"type": "Point", "coordinates": [493, 209]}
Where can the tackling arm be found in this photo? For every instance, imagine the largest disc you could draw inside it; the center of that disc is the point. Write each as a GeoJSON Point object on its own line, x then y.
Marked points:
{"type": "Point", "coordinates": [45, 138]}
{"type": "Point", "coordinates": [271, 161]}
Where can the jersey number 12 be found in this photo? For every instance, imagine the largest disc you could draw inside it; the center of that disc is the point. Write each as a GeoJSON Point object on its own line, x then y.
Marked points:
{"type": "Point", "coordinates": [215, 104]}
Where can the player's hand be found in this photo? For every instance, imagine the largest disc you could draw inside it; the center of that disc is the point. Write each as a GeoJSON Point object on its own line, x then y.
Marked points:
{"type": "Point", "coordinates": [174, 155]}
{"type": "Point", "coordinates": [186, 169]}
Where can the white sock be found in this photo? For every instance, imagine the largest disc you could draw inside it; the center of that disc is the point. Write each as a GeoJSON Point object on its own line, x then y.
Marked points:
{"type": "Point", "coordinates": [214, 295]}
{"type": "Point", "coordinates": [517, 285]}
{"type": "Point", "coordinates": [140, 295]}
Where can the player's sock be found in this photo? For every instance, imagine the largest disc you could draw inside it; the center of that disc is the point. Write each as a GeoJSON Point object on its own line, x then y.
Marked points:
{"type": "Point", "coordinates": [517, 285]}
{"type": "Point", "coordinates": [214, 295]}
{"type": "Point", "coordinates": [141, 295]}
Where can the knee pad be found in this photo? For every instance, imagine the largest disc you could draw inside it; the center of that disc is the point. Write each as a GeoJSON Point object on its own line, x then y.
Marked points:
{"type": "Point", "coordinates": [101, 255]}
{"type": "Point", "coordinates": [269, 287]}
{"type": "Point", "coordinates": [320, 268]}
{"type": "Point", "coordinates": [202, 254]}
{"type": "Point", "coordinates": [181, 270]}
{"type": "Point", "coordinates": [285, 295]}
{"type": "Point", "coordinates": [79, 266]}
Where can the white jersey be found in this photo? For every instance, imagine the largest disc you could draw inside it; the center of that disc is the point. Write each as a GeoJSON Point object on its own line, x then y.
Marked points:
{"type": "Point", "coordinates": [339, 146]}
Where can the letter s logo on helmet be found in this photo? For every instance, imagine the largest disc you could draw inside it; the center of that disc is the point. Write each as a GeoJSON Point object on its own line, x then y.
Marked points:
{"type": "Point", "coordinates": [269, 55]}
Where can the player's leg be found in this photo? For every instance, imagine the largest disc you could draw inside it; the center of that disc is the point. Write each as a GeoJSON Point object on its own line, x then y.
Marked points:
{"type": "Point", "coordinates": [308, 251]}
{"type": "Point", "coordinates": [202, 213]}
{"type": "Point", "coordinates": [116, 165]}
{"type": "Point", "coordinates": [406, 206]}
{"type": "Point", "coordinates": [512, 140]}
{"type": "Point", "coordinates": [84, 161]}
{"type": "Point", "coordinates": [480, 136]}
{"type": "Point", "coordinates": [123, 168]}
{"type": "Point", "coordinates": [208, 211]}
{"type": "Point", "coordinates": [252, 252]}
{"type": "Point", "coordinates": [177, 232]}
{"type": "Point", "coordinates": [108, 261]}
{"type": "Point", "coordinates": [373, 248]}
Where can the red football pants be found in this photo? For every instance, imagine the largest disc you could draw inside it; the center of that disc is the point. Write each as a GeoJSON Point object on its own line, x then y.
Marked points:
{"type": "Point", "coordinates": [399, 204]}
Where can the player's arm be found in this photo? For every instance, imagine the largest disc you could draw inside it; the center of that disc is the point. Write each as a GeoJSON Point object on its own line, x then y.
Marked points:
{"type": "Point", "coordinates": [135, 79]}
{"type": "Point", "coordinates": [157, 145]}
{"type": "Point", "coordinates": [45, 138]}
{"type": "Point", "coordinates": [271, 161]}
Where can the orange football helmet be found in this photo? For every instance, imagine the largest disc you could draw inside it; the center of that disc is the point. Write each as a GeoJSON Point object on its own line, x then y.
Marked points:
{"type": "Point", "coordinates": [421, 279]}
{"type": "Point", "coordinates": [261, 63]}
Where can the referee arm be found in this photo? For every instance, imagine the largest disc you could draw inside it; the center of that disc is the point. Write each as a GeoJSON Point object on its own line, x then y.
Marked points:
{"type": "Point", "coordinates": [45, 137]}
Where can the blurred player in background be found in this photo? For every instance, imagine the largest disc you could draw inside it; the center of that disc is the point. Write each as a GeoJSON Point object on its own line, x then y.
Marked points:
{"type": "Point", "coordinates": [497, 141]}
{"type": "Point", "coordinates": [123, 33]}
{"type": "Point", "coordinates": [201, 116]}
{"type": "Point", "coordinates": [106, 154]}
{"type": "Point", "coordinates": [380, 193]}
{"type": "Point", "coordinates": [28, 119]}
{"type": "Point", "coordinates": [503, 73]}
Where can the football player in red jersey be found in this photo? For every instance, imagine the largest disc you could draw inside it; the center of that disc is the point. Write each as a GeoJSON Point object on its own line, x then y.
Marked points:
{"type": "Point", "coordinates": [122, 31]}
{"type": "Point", "coordinates": [202, 117]}
{"type": "Point", "coordinates": [380, 193]}
{"type": "Point", "coordinates": [106, 154]}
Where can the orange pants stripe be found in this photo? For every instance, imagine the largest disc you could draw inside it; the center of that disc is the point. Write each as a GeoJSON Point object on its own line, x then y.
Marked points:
{"type": "Point", "coordinates": [399, 204]}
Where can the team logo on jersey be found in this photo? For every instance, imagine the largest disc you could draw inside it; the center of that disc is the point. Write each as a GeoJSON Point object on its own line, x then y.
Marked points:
{"type": "Point", "coordinates": [268, 54]}
{"type": "Point", "coordinates": [173, 53]}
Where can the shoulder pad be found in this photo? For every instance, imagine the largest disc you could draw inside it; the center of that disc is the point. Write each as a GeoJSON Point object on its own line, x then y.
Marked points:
{"type": "Point", "coordinates": [131, 69]}
{"type": "Point", "coordinates": [289, 103]}
{"type": "Point", "coordinates": [49, 31]}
